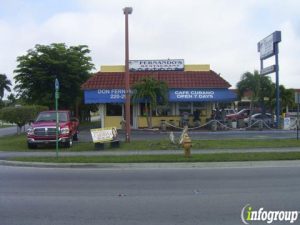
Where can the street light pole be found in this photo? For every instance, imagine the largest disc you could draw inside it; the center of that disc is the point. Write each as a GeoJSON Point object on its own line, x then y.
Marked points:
{"type": "Point", "coordinates": [57, 116]}
{"type": "Point", "coordinates": [127, 11]}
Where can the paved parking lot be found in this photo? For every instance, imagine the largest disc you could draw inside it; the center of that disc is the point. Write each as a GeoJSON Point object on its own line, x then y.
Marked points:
{"type": "Point", "coordinates": [85, 135]}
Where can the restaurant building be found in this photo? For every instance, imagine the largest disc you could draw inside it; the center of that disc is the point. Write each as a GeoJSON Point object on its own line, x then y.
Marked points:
{"type": "Point", "coordinates": [191, 88]}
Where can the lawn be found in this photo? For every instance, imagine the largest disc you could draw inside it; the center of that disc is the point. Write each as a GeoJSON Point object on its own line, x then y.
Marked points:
{"type": "Point", "coordinates": [18, 143]}
{"type": "Point", "coordinates": [220, 157]}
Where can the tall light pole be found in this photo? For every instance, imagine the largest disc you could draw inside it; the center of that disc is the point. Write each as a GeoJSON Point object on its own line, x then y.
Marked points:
{"type": "Point", "coordinates": [127, 11]}
{"type": "Point", "coordinates": [57, 116]}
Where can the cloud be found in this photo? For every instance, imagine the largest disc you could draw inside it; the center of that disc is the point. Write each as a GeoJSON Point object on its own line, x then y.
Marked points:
{"type": "Point", "coordinates": [223, 33]}
{"type": "Point", "coordinates": [289, 57]}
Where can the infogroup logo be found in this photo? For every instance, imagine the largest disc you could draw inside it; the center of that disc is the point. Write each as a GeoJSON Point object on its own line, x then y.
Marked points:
{"type": "Point", "coordinates": [248, 215]}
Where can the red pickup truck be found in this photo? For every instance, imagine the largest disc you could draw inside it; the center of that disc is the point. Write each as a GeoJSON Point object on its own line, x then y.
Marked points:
{"type": "Point", "coordinates": [244, 113]}
{"type": "Point", "coordinates": [43, 129]}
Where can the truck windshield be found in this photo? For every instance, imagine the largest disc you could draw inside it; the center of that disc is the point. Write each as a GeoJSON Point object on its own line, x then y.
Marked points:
{"type": "Point", "coordinates": [51, 116]}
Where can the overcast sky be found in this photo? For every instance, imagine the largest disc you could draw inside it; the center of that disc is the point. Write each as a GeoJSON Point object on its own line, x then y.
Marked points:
{"type": "Point", "coordinates": [222, 33]}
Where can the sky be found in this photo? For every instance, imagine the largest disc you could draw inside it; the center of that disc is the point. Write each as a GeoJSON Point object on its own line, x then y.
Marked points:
{"type": "Point", "coordinates": [222, 33]}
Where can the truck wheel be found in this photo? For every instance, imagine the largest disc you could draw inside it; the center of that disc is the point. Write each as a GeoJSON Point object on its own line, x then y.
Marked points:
{"type": "Point", "coordinates": [31, 146]}
{"type": "Point", "coordinates": [69, 143]}
{"type": "Point", "coordinates": [75, 137]}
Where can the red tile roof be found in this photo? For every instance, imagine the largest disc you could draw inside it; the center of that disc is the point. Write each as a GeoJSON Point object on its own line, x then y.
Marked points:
{"type": "Point", "coordinates": [174, 79]}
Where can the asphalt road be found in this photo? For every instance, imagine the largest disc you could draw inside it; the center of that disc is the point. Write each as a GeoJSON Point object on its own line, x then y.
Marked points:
{"type": "Point", "coordinates": [10, 130]}
{"type": "Point", "coordinates": [40, 196]}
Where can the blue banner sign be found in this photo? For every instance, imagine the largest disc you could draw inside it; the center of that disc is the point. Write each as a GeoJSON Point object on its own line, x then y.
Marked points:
{"type": "Point", "coordinates": [175, 95]}
{"type": "Point", "coordinates": [201, 95]}
{"type": "Point", "coordinates": [104, 96]}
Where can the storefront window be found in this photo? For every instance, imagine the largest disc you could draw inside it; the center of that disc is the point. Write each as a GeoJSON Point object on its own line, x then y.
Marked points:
{"type": "Point", "coordinates": [199, 105]}
{"type": "Point", "coordinates": [184, 107]}
{"type": "Point", "coordinates": [144, 110]}
{"type": "Point", "coordinates": [113, 109]}
{"type": "Point", "coordinates": [201, 108]}
{"type": "Point", "coordinates": [163, 110]}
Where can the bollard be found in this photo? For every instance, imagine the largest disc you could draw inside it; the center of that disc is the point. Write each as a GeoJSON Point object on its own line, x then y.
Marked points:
{"type": "Point", "coordinates": [163, 125]}
{"type": "Point", "coordinates": [214, 125]}
{"type": "Point", "coordinates": [260, 125]}
{"type": "Point", "coordinates": [187, 144]}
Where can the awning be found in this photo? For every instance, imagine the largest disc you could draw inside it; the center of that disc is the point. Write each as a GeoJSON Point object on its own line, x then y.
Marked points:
{"type": "Point", "coordinates": [104, 96]}
{"type": "Point", "coordinates": [175, 95]}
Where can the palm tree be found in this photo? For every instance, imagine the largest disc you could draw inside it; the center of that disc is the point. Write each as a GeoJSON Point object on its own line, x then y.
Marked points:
{"type": "Point", "coordinates": [287, 98]}
{"type": "Point", "coordinates": [260, 87]}
{"type": "Point", "coordinates": [152, 92]}
{"type": "Point", "coordinates": [4, 85]}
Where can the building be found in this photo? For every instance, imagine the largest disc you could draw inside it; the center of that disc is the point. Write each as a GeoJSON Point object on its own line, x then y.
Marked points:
{"type": "Point", "coordinates": [191, 87]}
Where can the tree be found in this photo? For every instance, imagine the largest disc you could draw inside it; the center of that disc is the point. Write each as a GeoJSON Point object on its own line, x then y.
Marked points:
{"type": "Point", "coordinates": [11, 100]}
{"type": "Point", "coordinates": [4, 85]}
{"type": "Point", "coordinates": [152, 92]}
{"type": "Point", "coordinates": [20, 115]}
{"type": "Point", "coordinates": [36, 72]}
{"type": "Point", "coordinates": [287, 97]}
{"type": "Point", "coordinates": [260, 86]}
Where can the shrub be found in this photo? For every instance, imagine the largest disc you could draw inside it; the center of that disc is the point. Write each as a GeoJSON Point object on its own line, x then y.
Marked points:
{"type": "Point", "coordinates": [20, 115]}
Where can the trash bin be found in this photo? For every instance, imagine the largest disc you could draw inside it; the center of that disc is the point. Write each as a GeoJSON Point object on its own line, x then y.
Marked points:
{"type": "Point", "coordinates": [234, 124]}
{"type": "Point", "coordinates": [240, 123]}
{"type": "Point", "coordinates": [163, 125]}
{"type": "Point", "coordinates": [214, 125]}
{"type": "Point", "coordinates": [287, 123]}
{"type": "Point", "coordinates": [260, 125]}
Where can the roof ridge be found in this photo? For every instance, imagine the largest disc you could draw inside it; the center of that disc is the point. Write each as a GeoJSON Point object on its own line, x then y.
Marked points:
{"type": "Point", "coordinates": [174, 79]}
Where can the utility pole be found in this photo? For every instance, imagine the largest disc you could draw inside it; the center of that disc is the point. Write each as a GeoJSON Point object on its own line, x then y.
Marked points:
{"type": "Point", "coordinates": [56, 110]}
{"type": "Point", "coordinates": [127, 11]}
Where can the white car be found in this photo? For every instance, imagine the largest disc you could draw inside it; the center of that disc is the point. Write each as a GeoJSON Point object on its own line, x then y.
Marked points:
{"type": "Point", "coordinates": [266, 118]}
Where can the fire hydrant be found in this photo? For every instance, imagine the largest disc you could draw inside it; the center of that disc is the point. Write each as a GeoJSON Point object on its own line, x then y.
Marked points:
{"type": "Point", "coordinates": [187, 144]}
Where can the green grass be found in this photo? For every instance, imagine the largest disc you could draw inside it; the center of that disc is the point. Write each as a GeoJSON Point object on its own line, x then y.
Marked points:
{"type": "Point", "coordinates": [4, 126]}
{"type": "Point", "coordinates": [18, 143]}
{"type": "Point", "coordinates": [223, 157]}
{"type": "Point", "coordinates": [246, 143]}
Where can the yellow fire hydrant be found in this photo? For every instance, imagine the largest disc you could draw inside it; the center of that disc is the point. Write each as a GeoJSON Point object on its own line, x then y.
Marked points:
{"type": "Point", "coordinates": [187, 144]}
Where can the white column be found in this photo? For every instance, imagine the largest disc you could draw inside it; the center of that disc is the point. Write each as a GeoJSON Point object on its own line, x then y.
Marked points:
{"type": "Point", "coordinates": [173, 108]}
{"type": "Point", "coordinates": [102, 112]}
{"type": "Point", "coordinates": [135, 113]}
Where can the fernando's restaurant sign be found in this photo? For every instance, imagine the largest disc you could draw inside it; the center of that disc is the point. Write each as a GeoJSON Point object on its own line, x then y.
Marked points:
{"type": "Point", "coordinates": [156, 65]}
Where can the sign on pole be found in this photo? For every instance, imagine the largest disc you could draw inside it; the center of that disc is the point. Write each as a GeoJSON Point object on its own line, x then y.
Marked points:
{"type": "Point", "coordinates": [297, 97]}
{"type": "Point", "coordinates": [56, 85]}
{"type": "Point", "coordinates": [268, 47]}
{"type": "Point", "coordinates": [268, 70]}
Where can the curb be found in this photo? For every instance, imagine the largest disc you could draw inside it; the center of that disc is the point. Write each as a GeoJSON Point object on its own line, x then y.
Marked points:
{"type": "Point", "coordinates": [199, 165]}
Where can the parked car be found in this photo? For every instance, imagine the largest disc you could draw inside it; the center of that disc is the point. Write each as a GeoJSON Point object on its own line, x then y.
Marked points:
{"type": "Point", "coordinates": [43, 129]}
{"type": "Point", "coordinates": [266, 118]}
{"type": "Point", "coordinates": [230, 111]}
{"type": "Point", "coordinates": [244, 113]}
